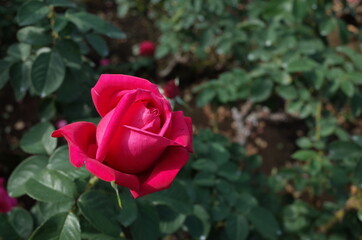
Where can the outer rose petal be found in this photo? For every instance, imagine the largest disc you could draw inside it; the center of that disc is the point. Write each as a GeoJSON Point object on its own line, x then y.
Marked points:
{"type": "Point", "coordinates": [81, 138]}
{"type": "Point", "coordinates": [108, 174]}
{"type": "Point", "coordinates": [105, 93]}
{"type": "Point", "coordinates": [180, 130]}
{"type": "Point", "coordinates": [165, 171]}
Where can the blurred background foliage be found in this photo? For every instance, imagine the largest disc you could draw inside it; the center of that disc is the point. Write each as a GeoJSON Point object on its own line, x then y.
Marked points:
{"type": "Point", "coordinates": [277, 83]}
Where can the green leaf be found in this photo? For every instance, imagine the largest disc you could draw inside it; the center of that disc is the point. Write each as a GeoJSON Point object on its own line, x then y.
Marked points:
{"type": "Point", "coordinates": [100, 211]}
{"type": "Point", "coordinates": [170, 221]}
{"type": "Point", "coordinates": [327, 26]}
{"type": "Point", "coordinates": [50, 186]}
{"type": "Point", "coordinates": [355, 77]}
{"type": "Point", "coordinates": [32, 12]}
{"type": "Point", "coordinates": [7, 231]}
{"type": "Point", "coordinates": [59, 161]}
{"type": "Point", "coordinates": [21, 221]}
{"type": "Point", "coordinates": [47, 109]}
{"type": "Point", "coordinates": [70, 52]}
{"type": "Point", "coordinates": [261, 90]}
{"type": "Point", "coordinates": [63, 226]}
{"type": "Point", "coordinates": [20, 78]}
{"type": "Point", "coordinates": [47, 73]}
{"type": "Point", "coordinates": [205, 179]}
{"type": "Point", "coordinates": [264, 222]}
{"type": "Point", "coordinates": [59, 24]}
{"type": "Point", "coordinates": [85, 21]}
{"type": "Point", "coordinates": [33, 35]}
{"type": "Point", "coordinates": [37, 140]}
{"type": "Point", "coordinates": [236, 227]}
{"type": "Point", "coordinates": [98, 44]}
{"type": "Point", "coordinates": [347, 88]}
{"type": "Point", "coordinates": [129, 213]}
{"type": "Point", "coordinates": [146, 225]}
{"type": "Point", "coordinates": [287, 92]}
{"type": "Point", "coordinates": [4, 72]}
{"type": "Point", "coordinates": [44, 210]}
{"type": "Point", "coordinates": [301, 65]}
{"type": "Point", "coordinates": [23, 172]}
{"type": "Point", "coordinates": [340, 150]}
{"type": "Point", "coordinates": [62, 3]}
{"type": "Point", "coordinates": [194, 226]}
{"type": "Point", "coordinates": [245, 203]}
{"type": "Point", "coordinates": [204, 165]}
{"type": "Point", "coordinates": [19, 51]}
{"type": "Point", "coordinates": [205, 97]}
{"type": "Point", "coordinates": [305, 155]}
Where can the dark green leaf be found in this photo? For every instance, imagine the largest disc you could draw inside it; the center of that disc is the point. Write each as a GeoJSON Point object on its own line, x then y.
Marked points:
{"type": "Point", "coordinates": [194, 226]}
{"type": "Point", "coordinates": [100, 211]}
{"type": "Point", "coordinates": [23, 172]}
{"type": "Point", "coordinates": [264, 222]}
{"type": "Point", "coordinates": [47, 109]}
{"type": "Point", "coordinates": [44, 210]}
{"type": "Point", "coordinates": [302, 65]}
{"type": "Point", "coordinates": [98, 44]}
{"type": "Point", "coordinates": [37, 140]}
{"type": "Point", "coordinates": [237, 227]}
{"type": "Point", "coordinates": [287, 92]}
{"type": "Point", "coordinates": [59, 24]}
{"type": "Point", "coordinates": [146, 225]}
{"type": "Point", "coordinates": [305, 155]}
{"type": "Point", "coordinates": [20, 78]}
{"type": "Point", "coordinates": [340, 150]}
{"type": "Point", "coordinates": [50, 186]}
{"type": "Point", "coordinates": [4, 72]}
{"type": "Point", "coordinates": [63, 226]}
{"type": "Point", "coordinates": [261, 90]}
{"type": "Point", "coordinates": [19, 51]}
{"type": "Point", "coordinates": [31, 12]}
{"type": "Point", "coordinates": [21, 221]}
{"type": "Point", "coordinates": [204, 165]}
{"type": "Point", "coordinates": [129, 213]}
{"type": "Point", "coordinates": [7, 232]}
{"type": "Point", "coordinates": [70, 52]}
{"type": "Point", "coordinates": [33, 35]}
{"type": "Point", "coordinates": [47, 73]}
{"type": "Point", "coordinates": [85, 21]}
{"type": "Point", "coordinates": [62, 3]}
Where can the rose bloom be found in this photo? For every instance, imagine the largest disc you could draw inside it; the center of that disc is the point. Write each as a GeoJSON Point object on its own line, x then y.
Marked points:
{"type": "Point", "coordinates": [171, 90]}
{"type": "Point", "coordinates": [147, 48]}
{"type": "Point", "coordinates": [139, 142]}
{"type": "Point", "coordinates": [6, 202]}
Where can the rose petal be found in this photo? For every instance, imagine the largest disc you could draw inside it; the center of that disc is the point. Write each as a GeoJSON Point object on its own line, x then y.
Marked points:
{"type": "Point", "coordinates": [180, 130]}
{"type": "Point", "coordinates": [81, 137]}
{"type": "Point", "coordinates": [161, 177]}
{"type": "Point", "coordinates": [105, 93]}
{"type": "Point", "coordinates": [109, 124]}
{"type": "Point", "coordinates": [109, 174]}
{"type": "Point", "coordinates": [134, 150]}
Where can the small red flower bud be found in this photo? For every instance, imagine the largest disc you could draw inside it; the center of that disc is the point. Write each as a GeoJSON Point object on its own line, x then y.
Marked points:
{"type": "Point", "coordinates": [171, 90]}
{"type": "Point", "coordinates": [147, 49]}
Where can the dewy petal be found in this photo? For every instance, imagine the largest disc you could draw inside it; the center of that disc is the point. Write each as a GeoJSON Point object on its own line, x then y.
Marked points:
{"type": "Point", "coordinates": [106, 93]}
{"type": "Point", "coordinates": [81, 137]}
{"type": "Point", "coordinates": [180, 130]}
{"type": "Point", "coordinates": [109, 174]}
{"type": "Point", "coordinates": [161, 177]}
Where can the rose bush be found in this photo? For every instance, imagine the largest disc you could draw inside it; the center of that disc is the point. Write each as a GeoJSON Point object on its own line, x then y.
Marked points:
{"type": "Point", "coordinates": [139, 142]}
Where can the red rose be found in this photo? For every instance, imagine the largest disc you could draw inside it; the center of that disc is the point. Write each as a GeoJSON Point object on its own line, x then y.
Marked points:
{"type": "Point", "coordinates": [139, 142]}
{"type": "Point", "coordinates": [171, 90]}
{"type": "Point", "coordinates": [147, 48]}
{"type": "Point", "coordinates": [6, 202]}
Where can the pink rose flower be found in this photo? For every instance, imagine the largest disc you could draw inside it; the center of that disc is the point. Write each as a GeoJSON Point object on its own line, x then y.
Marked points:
{"type": "Point", "coordinates": [6, 202]}
{"type": "Point", "coordinates": [139, 142]}
{"type": "Point", "coordinates": [104, 62]}
{"type": "Point", "coordinates": [171, 90]}
{"type": "Point", "coordinates": [147, 49]}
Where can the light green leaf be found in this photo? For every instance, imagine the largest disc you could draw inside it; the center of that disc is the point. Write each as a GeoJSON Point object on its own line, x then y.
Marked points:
{"type": "Point", "coordinates": [20, 51]}
{"type": "Point", "coordinates": [47, 73]}
{"type": "Point", "coordinates": [50, 186]}
{"type": "Point", "coordinates": [37, 140]}
{"type": "Point", "coordinates": [33, 35]}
